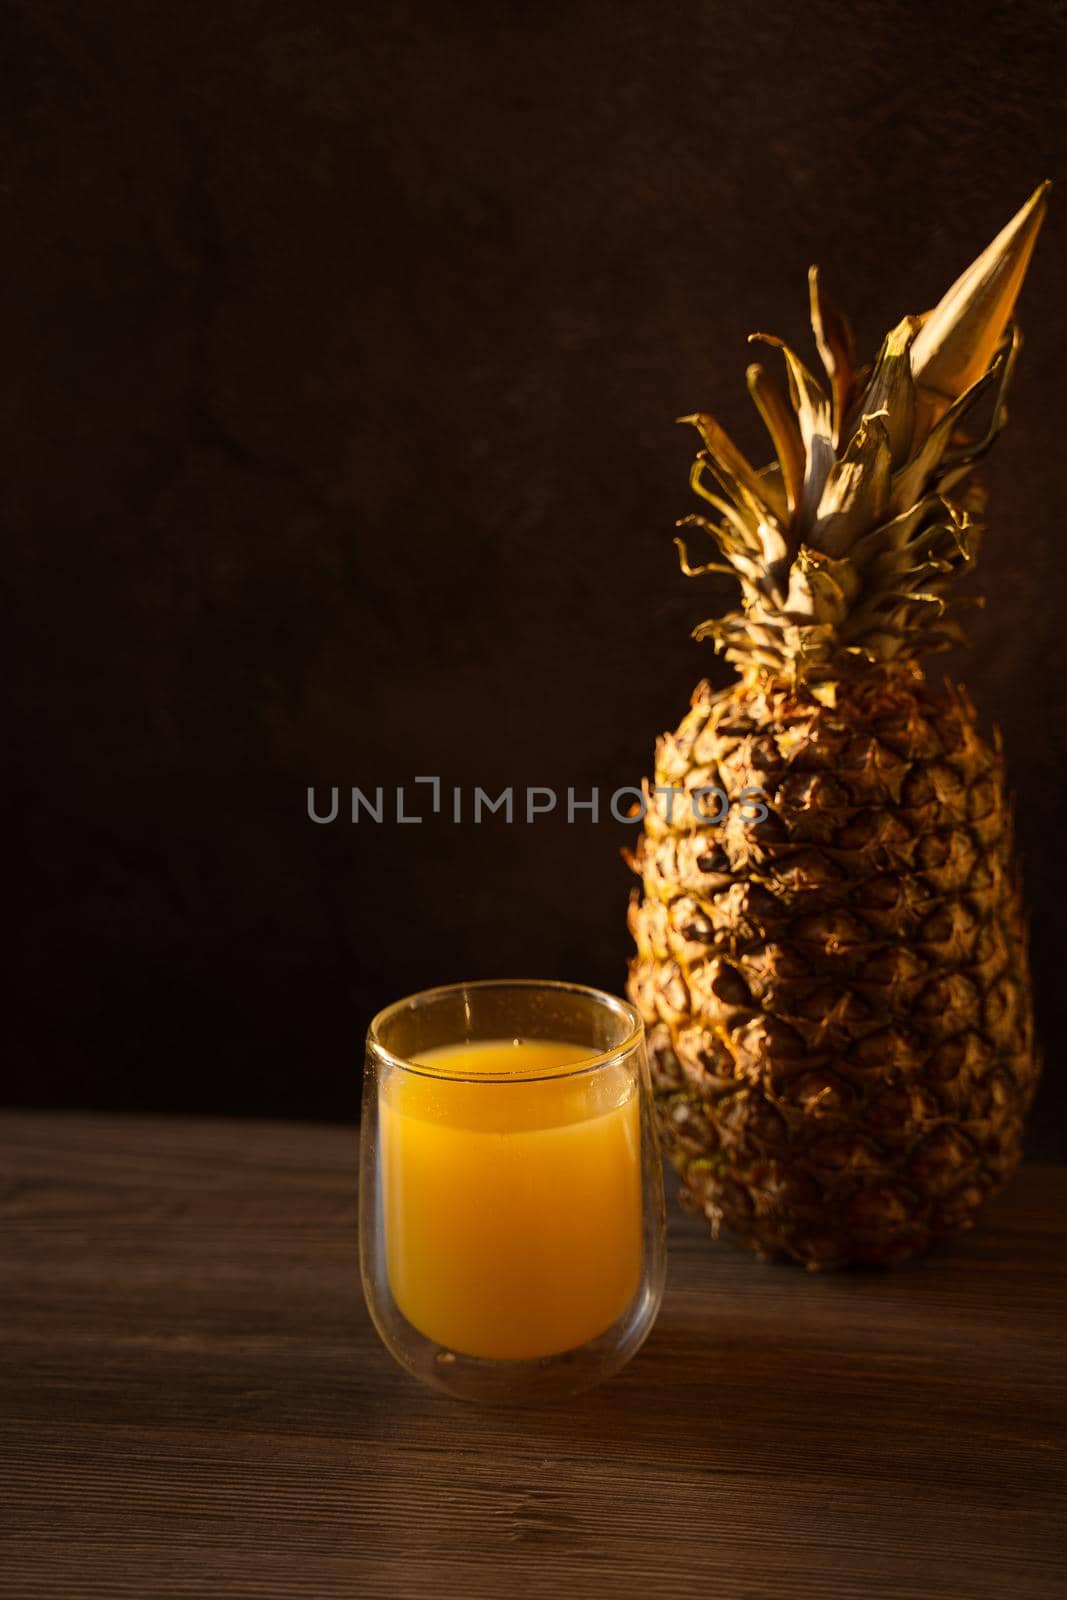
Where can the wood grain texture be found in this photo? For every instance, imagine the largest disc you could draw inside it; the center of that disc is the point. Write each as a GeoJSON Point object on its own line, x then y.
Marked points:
{"type": "Point", "coordinates": [193, 1402]}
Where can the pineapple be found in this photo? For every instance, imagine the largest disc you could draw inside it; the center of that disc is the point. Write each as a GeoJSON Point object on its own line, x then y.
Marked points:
{"type": "Point", "coordinates": [836, 993]}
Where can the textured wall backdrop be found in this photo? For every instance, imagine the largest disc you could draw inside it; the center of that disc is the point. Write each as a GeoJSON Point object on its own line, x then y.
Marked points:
{"type": "Point", "coordinates": [341, 354]}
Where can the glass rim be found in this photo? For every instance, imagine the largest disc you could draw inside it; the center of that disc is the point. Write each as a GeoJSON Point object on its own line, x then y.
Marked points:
{"type": "Point", "coordinates": [586, 1064]}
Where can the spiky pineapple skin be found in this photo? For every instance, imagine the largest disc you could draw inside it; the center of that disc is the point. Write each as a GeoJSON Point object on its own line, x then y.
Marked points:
{"type": "Point", "coordinates": [837, 997]}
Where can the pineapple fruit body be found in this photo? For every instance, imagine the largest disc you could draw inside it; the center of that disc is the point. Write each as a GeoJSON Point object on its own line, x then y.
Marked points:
{"type": "Point", "coordinates": [836, 996]}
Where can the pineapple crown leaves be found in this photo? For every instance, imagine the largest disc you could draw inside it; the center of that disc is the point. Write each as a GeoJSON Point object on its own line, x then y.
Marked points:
{"type": "Point", "coordinates": [847, 544]}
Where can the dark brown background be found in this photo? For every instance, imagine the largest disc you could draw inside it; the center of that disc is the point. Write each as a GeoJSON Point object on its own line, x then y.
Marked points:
{"type": "Point", "coordinates": [342, 347]}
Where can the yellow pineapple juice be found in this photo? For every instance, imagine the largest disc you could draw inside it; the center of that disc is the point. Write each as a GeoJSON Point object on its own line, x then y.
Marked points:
{"type": "Point", "coordinates": [512, 1206]}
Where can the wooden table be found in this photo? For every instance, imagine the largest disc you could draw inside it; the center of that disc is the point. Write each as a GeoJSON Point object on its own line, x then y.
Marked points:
{"type": "Point", "coordinates": [193, 1402]}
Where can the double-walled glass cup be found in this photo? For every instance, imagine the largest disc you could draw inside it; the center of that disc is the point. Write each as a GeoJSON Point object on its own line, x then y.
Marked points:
{"type": "Point", "coordinates": [511, 1194]}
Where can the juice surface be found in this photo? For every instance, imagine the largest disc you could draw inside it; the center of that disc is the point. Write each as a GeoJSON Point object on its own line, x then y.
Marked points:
{"type": "Point", "coordinates": [512, 1208]}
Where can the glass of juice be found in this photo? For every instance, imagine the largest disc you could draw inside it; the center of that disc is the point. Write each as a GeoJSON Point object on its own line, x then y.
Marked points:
{"type": "Point", "coordinates": [511, 1195]}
